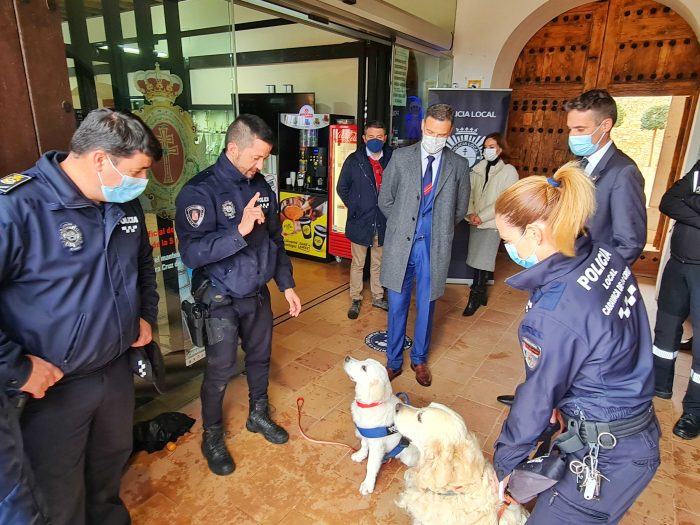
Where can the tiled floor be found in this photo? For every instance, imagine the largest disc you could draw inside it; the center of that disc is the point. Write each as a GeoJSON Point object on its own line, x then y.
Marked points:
{"type": "Point", "coordinates": [473, 360]}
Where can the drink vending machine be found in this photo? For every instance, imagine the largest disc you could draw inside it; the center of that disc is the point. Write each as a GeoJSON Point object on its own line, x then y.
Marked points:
{"type": "Point", "coordinates": [343, 142]}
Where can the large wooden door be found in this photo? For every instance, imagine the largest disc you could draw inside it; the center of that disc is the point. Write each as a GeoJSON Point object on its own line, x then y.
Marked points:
{"type": "Point", "coordinates": [630, 47]}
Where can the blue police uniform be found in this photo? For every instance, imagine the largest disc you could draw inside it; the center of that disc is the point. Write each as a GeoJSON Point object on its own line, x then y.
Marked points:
{"type": "Point", "coordinates": [75, 277]}
{"type": "Point", "coordinates": [587, 349]}
{"type": "Point", "coordinates": [208, 211]}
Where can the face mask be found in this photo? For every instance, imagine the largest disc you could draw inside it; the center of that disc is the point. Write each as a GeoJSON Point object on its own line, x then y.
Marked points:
{"type": "Point", "coordinates": [127, 190]}
{"type": "Point", "coordinates": [375, 145]}
{"type": "Point", "coordinates": [582, 145]}
{"type": "Point", "coordinates": [513, 253]}
{"type": "Point", "coordinates": [490, 154]}
{"type": "Point", "coordinates": [433, 145]}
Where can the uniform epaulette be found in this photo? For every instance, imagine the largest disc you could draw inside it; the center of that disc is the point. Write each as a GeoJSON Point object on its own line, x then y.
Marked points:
{"type": "Point", "coordinates": [10, 182]}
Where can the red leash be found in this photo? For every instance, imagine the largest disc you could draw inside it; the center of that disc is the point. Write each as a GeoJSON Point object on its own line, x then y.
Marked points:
{"type": "Point", "coordinates": [300, 404]}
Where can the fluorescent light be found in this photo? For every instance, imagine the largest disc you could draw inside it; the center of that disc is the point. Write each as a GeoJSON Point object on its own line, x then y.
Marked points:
{"type": "Point", "coordinates": [132, 50]}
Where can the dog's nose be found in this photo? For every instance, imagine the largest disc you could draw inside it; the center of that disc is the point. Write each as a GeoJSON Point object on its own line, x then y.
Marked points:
{"type": "Point", "coordinates": [397, 407]}
{"type": "Point", "coordinates": [347, 358]}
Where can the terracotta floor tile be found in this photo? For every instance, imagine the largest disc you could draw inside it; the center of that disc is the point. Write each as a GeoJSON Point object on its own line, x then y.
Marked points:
{"type": "Point", "coordinates": [479, 418]}
{"type": "Point", "coordinates": [293, 375]}
{"type": "Point", "coordinates": [484, 392]}
{"type": "Point", "coordinates": [684, 517]}
{"type": "Point", "coordinates": [336, 379]}
{"type": "Point", "coordinates": [503, 374]}
{"type": "Point", "coordinates": [655, 503]}
{"type": "Point", "coordinates": [318, 400]}
{"type": "Point", "coordinates": [319, 360]}
{"type": "Point", "coordinates": [295, 517]}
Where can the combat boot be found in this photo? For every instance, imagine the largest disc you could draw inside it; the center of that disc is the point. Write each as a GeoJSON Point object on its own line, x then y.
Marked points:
{"type": "Point", "coordinates": [214, 449]}
{"type": "Point", "coordinates": [259, 421]}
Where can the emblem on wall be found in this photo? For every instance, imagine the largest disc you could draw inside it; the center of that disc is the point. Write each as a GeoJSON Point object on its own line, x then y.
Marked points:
{"type": "Point", "coordinates": [182, 158]}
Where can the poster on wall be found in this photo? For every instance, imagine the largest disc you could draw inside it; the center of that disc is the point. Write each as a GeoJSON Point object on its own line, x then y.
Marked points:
{"type": "Point", "coordinates": [478, 112]}
{"type": "Point", "coordinates": [182, 159]}
{"type": "Point", "coordinates": [304, 220]}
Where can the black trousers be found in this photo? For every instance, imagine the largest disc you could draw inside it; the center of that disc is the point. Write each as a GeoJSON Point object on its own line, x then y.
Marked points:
{"type": "Point", "coordinates": [78, 439]}
{"type": "Point", "coordinates": [20, 502]}
{"type": "Point", "coordinates": [679, 296]}
{"type": "Point", "coordinates": [251, 320]}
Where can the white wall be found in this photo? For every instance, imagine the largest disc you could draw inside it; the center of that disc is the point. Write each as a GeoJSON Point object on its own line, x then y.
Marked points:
{"type": "Point", "coordinates": [490, 35]}
{"type": "Point", "coordinates": [438, 12]}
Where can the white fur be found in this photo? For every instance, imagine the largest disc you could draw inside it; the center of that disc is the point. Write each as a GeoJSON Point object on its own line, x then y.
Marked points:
{"type": "Point", "coordinates": [450, 462]}
{"type": "Point", "coordinates": [372, 385]}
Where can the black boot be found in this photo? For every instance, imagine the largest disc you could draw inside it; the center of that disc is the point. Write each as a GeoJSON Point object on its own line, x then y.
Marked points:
{"type": "Point", "coordinates": [214, 449]}
{"type": "Point", "coordinates": [259, 421]}
{"type": "Point", "coordinates": [477, 294]}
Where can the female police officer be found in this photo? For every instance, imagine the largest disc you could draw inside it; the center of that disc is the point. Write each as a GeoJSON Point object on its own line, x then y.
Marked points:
{"type": "Point", "coordinates": [586, 343]}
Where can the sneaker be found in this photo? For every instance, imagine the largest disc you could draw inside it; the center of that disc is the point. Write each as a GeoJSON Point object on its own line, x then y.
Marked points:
{"type": "Point", "coordinates": [354, 309]}
{"type": "Point", "coordinates": [381, 303]}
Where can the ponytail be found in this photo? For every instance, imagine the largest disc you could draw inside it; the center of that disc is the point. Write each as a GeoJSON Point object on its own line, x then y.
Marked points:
{"type": "Point", "coordinates": [565, 201]}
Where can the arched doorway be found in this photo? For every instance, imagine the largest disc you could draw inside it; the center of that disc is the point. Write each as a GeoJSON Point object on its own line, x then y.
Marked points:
{"type": "Point", "coordinates": [632, 48]}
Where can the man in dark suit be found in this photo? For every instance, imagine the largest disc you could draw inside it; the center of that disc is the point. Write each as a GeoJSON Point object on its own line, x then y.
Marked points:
{"type": "Point", "coordinates": [358, 187]}
{"type": "Point", "coordinates": [620, 219]}
{"type": "Point", "coordinates": [424, 193]}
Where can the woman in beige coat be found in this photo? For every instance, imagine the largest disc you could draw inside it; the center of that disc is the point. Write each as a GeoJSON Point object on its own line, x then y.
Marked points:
{"type": "Point", "coordinates": [489, 178]}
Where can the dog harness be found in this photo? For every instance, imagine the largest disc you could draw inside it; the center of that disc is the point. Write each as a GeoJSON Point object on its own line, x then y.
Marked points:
{"type": "Point", "coordinates": [380, 432]}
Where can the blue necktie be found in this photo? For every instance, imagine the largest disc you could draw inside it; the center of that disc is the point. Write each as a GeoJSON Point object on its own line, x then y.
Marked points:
{"type": "Point", "coordinates": [428, 177]}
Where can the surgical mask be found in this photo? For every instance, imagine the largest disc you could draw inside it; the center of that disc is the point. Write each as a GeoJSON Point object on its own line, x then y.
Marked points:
{"type": "Point", "coordinates": [375, 145]}
{"type": "Point", "coordinates": [529, 262]}
{"type": "Point", "coordinates": [582, 145]}
{"type": "Point", "coordinates": [490, 154]}
{"type": "Point", "coordinates": [433, 145]}
{"type": "Point", "coordinates": [127, 190]}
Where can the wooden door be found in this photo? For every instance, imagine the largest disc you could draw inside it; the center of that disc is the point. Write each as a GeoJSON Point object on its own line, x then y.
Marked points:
{"type": "Point", "coordinates": [630, 47]}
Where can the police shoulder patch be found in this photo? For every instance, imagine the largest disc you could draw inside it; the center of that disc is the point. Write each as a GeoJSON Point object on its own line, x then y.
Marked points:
{"type": "Point", "coordinates": [531, 352]}
{"type": "Point", "coordinates": [195, 215]}
{"type": "Point", "coordinates": [10, 182]}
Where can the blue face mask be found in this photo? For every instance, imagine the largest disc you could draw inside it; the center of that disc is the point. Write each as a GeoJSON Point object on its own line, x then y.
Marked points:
{"type": "Point", "coordinates": [127, 190]}
{"type": "Point", "coordinates": [582, 145]}
{"type": "Point", "coordinates": [513, 253]}
{"type": "Point", "coordinates": [375, 145]}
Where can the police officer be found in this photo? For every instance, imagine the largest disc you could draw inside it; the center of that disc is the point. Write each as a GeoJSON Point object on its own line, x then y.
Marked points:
{"type": "Point", "coordinates": [77, 289]}
{"type": "Point", "coordinates": [679, 295]}
{"type": "Point", "coordinates": [586, 344]}
{"type": "Point", "coordinates": [227, 219]}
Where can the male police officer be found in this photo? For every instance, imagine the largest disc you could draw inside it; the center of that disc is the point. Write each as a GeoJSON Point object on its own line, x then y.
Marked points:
{"type": "Point", "coordinates": [77, 289]}
{"type": "Point", "coordinates": [227, 219]}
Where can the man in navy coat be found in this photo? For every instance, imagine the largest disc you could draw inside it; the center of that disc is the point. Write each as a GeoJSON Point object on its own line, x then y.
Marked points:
{"type": "Point", "coordinates": [358, 187]}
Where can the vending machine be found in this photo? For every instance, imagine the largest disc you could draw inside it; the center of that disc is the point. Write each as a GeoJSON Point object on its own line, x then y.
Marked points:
{"type": "Point", "coordinates": [343, 142]}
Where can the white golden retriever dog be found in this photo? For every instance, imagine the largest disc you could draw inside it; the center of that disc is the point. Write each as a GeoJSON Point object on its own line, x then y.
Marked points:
{"type": "Point", "coordinates": [452, 483]}
{"type": "Point", "coordinates": [373, 412]}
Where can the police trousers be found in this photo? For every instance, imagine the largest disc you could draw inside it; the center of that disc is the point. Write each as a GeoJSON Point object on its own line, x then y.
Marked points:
{"type": "Point", "coordinates": [629, 466]}
{"type": "Point", "coordinates": [679, 296]}
{"type": "Point", "coordinates": [20, 501]}
{"type": "Point", "coordinates": [78, 438]}
{"type": "Point", "coordinates": [250, 319]}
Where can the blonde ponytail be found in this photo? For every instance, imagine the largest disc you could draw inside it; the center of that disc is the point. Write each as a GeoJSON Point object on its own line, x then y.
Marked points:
{"type": "Point", "coordinates": [565, 201]}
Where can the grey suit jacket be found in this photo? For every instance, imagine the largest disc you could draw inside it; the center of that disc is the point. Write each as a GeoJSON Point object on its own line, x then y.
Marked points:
{"type": "Point", "coordinates": [399, 201]}
{"type": "Point", "coordinates": [620, 219]}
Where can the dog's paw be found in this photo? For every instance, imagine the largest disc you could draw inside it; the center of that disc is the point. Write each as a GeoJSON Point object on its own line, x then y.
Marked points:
{"type": "Point", "coordinates": [367, 487]}
{"type": "Point", "coordinates": [359, 456]}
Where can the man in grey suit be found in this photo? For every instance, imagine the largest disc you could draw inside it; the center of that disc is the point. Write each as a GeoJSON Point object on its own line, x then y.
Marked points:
{"type": "Point", "coordinates": [424, 193]}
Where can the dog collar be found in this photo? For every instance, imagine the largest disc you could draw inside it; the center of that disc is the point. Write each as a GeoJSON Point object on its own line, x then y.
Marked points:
{"type": "Point", "coordinates": [370, 405]}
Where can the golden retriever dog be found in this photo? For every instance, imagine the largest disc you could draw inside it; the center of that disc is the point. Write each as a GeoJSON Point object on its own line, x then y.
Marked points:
{"type": "Point", "coordinates": [373, 415]}
{"type": "Point", "coordinates": [452, 484]}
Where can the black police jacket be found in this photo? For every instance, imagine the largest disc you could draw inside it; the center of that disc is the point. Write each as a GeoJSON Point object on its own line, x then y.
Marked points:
{"type": "Point", "coordinates": [208, 211]}
{"type": "Point", "coordinates": [358, 190]}
{"type": "Point", "coordinates": [682, 203]}
{"type": "Point", "coordinates": [75, 277]}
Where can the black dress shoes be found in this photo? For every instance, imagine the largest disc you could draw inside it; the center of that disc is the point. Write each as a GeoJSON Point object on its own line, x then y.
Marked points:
{"type": "Point", "coordinates": [687, 427]}
{"type": "Point", "coordinates": [506, 399]}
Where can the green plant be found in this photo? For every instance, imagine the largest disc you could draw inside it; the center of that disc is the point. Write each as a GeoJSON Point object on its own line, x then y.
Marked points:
{"type": "Point", "coordinates": [621, 114]}
{"type": "Point", "coordinates": [654, 119]}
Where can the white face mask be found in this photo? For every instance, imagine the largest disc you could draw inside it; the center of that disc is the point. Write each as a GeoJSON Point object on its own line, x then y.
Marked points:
{"type": "Point", "coordinates": [490, 154]}
{"type": "Point", "coordinates": [433, 145]}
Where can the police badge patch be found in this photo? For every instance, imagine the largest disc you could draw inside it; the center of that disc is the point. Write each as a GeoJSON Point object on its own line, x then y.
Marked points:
{"type": "Point", "coordinates": [195, 215]}
{"type": "Point", "coordinates": [531, 353]}
{"type": "Point", "coordinates": [71, 236]}
{"type": "Point", "coordinates": [10, 182]}
{"type": "Point", "coordinates": [229, 210]}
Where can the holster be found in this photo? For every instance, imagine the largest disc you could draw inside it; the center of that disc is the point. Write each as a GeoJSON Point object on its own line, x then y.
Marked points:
{"type": "Point", "coordinates": [195, 317]}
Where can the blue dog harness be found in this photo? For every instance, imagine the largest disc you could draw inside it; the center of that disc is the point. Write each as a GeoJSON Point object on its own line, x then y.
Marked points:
{"type": "Point", "coordinates": [380, 432]}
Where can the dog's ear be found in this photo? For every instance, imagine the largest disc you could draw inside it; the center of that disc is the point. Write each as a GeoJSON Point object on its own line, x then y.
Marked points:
{"type": "Point", "coordinates": [443, 466]}
{"type": "Point", "coordinates": [377, 390]}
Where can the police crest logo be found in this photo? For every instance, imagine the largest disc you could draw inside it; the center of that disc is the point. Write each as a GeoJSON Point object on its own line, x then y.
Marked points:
{"type": "Point", "coordinates": [71, 236]}
{"type": "Point", "coordinates": [229, 210]}
{"type": "Point", "coordinates": [377, 341]}
{"type": "Point", "coordinates": [10, 182]}
{"type": "Point", "coordinates": [195, 215]}
{"type": "Point", "coordinates": [129, 224]}
{"type": "Point", "coordinates": [531, 353]}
